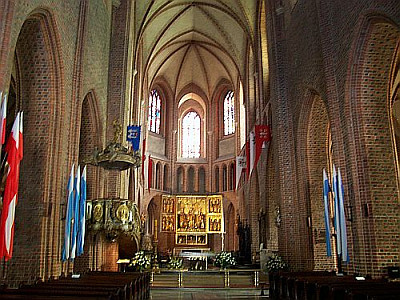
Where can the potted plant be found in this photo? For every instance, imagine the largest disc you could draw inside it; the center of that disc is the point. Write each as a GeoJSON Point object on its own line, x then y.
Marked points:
{"type": "Point", "coordinates": [224, 260]}
{"type": "Point", "coordinates": [141, 261]}
{"type": "Point", "coordinates": [275, 263]}
{"type": "Point", "coordinates": [175, 263]}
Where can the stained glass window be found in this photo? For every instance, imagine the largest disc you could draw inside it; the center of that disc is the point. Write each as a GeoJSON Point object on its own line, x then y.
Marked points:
{"type": "Point", "coordinates": [154, 112]}
{"type": "Point", "coordinates": [229, 113]}
{"type": "Point", "coordinates": [191, 135]}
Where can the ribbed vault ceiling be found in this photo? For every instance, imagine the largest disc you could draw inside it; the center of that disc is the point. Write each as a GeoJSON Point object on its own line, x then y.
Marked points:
{"type": "Point", "coordinates": [195, 42]}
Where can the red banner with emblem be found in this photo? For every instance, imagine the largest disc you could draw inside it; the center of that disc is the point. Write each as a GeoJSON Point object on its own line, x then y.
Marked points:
{"type": "Point", "coordinates": [263, 136]}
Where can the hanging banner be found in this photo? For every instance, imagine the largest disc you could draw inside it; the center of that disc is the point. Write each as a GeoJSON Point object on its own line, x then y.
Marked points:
{"type": "Point", "coordinates": [240, 167]}
{"type": "Point", "coordinates": [262, 137]}
{"type": "Point", "coordinates": [133, 136]}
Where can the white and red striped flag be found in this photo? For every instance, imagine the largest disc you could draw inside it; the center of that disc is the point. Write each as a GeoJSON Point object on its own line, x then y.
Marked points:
{"type": "Point", "coordinates": [21, 133]}
{"type": "Point", "coordinates": [14, 156]}
{"type": "Point", "coordinates": [3, 115]}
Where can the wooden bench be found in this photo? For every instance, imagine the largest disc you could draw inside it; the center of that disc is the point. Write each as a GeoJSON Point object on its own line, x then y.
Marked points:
{"type": "Point", "coordinates": [140, 288]}
{"type": "Point", "coordinates": [386, 291]}
{"type": "Point", "coordinates": [45, 293]}
{"type": "Point", "coordinates": [283, 284]}
{"type": "Point", "coordinates": [325, 286]}
{"type": "Point", "coordinates": [93, 285]}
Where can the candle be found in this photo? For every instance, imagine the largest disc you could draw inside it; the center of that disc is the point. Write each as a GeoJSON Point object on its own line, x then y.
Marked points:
{"type": "Point", "coordinates": [155, 229]}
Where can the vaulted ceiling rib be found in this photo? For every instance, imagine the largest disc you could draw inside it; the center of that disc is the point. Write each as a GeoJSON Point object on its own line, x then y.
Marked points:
{"type": "Point", "coordinates": [195, 42]}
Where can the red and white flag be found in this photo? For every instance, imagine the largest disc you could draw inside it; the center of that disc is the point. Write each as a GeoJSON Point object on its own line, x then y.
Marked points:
{"type": "Point", "coordinates": [14, 156]}
{"type": "Point", "coordinates": [21, 140]}
{"type": "Point", "coordinates": [3, 115]}
{"type": "Point", "coordinates": [262, 136]}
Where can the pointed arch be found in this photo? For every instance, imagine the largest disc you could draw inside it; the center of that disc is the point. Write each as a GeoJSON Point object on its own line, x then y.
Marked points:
{"type": "Point", "coordinates": [202, 180]}
{"type": "Point", "coordinates": [372, 148]}
{"type": "Point", "coordinates": [180, 173]}
{"type": "Point", "coordinates": [90, 139]}
{"type": "Point", "coordinates": [190, 180]}
{"type": "Point", "coordinates": [40, 94]}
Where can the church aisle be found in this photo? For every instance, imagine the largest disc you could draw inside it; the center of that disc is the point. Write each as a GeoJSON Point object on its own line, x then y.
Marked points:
{"type": "Point", "coordinates": [206, 294]}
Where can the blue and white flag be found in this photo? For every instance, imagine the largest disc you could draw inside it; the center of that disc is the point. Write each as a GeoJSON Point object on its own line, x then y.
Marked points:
{"type": "Point", "coordinates": [133, 136]}
{"type": "Point", "coordinates": [337, 212]}
{"type": "Point", "coordinates": [326, 209]}
{"type": "Point", "coordinates": [343, 231]}
{"type": "Point", "coordinates": [82, 214]}
{"type": "Point", "coordinates": [76, 212]}
{"type": "Point", "coordinates": [70, 203]}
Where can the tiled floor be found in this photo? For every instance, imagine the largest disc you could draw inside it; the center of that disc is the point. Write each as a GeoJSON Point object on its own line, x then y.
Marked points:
{"type": "Point", "coordinates": [206, 294]}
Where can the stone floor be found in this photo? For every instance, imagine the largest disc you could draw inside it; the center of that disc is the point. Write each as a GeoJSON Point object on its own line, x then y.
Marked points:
{"type": "Point", "coordinates": [206, 293]}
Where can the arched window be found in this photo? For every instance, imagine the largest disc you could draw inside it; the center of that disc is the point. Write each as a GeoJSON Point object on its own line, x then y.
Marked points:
{"type": "Point", "coordinates": [165, 178]}
{"type": "Point", "coordinates": [190, 181]}
{"type": "Point", "coordinates": [158, 176]}
{"type": "Point", "coordinates": [217, 179]}
{"type": "Point", "coordinates": [154, 112]}
{"type": "Point", "coordinates": [191, 135]}
{"type": "Point", "coordinates": [202, 180]}
{"type": "Point", "coordinates": [225, 178]}
{"type": "Point", "coordinates": [179, 181]}
{"type": "Point", "coordinates": [229, 113]}
{"type": "Point", "coordinates": [232, 177]}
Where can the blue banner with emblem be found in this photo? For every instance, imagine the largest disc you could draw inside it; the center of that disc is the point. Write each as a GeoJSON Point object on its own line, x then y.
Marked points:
{"type": "Point", "coordinates": [133, 136]}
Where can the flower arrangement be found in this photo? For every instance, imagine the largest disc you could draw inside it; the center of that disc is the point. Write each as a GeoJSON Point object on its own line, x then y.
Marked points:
{"type": "Point", "coordinates": [175, 263]}
{"type": "Point", "coordinates": [224, 260]}
{"type": "Point", "coordinates": [141, 261]}
{"type": "Point", "coordinates": [275, 263]}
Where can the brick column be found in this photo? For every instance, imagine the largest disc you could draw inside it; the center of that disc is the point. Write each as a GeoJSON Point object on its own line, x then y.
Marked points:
{"type": "Point", "coordinates": [119, 48]}
{"type": "Point", "coordinates": [288, 231]}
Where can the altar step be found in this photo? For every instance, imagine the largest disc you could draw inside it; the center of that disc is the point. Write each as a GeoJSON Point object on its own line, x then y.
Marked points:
{"type": "Point", "coordinates": [208, 280]}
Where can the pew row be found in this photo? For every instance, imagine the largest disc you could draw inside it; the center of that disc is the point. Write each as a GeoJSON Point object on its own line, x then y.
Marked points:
{"type": "Point", "coordinates": [91, 285]}
{"type": "Point", "coordinates": [328, 286]}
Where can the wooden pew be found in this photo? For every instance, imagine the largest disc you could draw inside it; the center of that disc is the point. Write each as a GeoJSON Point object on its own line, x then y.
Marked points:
{"type": "Point", "coordinates": [47, 297]}
{"type": "Point", "coordinates": [93, 285]}
{"type": "Point", "coordinates": [325, 286]}
{"type": "Point", "coordinates": [45, 293]}
{"type": "Point", "coordinates": [140, 281]}
{"type": "Point", "coordinates": [118, 287]}
{"type": "Point", "coordinates": [388, 291]}
{"type": "Point", "coordinates": [284, 285]}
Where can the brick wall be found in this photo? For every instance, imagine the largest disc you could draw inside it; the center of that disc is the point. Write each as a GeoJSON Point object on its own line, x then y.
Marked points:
{"type": "Point", "coordinates": [377, 178]}
{"type": "Point", "coordinates": [320, 48]}
{"type": "Point", "coordinates": [44, 34]}
{"type": "Point", "coordinates": [317, 160]}
{"type": "Point", "coordinates": [342, 55]}
{"type": "Point", "coordinates": [36, 98]}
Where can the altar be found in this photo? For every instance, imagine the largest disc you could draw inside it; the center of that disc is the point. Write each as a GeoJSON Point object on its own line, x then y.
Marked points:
{"type": "Point", "coordinates": [196, 258]}
{"type": "Point", "coordinates": [192, 219]}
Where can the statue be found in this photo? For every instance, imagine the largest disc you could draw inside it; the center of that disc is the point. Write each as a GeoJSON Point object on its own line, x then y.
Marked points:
{"type": "Point", "coordinates": [117, 131]}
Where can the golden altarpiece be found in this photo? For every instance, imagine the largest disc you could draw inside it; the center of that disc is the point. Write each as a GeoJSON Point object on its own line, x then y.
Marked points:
{"type": "Point", "coordinates": [191, 218]}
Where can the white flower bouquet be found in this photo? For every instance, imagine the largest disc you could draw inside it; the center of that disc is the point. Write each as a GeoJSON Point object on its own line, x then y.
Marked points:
{"type": "Point", "coordinates": [175, 263]}
{"type": "Point", "coordinates": [275, 263]}
{"type": "Point", "coordinates": [141, 261]}
{"type": "Point", "coordinates": [224, 260]}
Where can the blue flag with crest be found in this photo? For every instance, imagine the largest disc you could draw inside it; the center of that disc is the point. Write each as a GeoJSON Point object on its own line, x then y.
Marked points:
{"type": "Point", "coordinates": [133, 136]}
{"type": "Point", "coordinates": [70, 205]}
